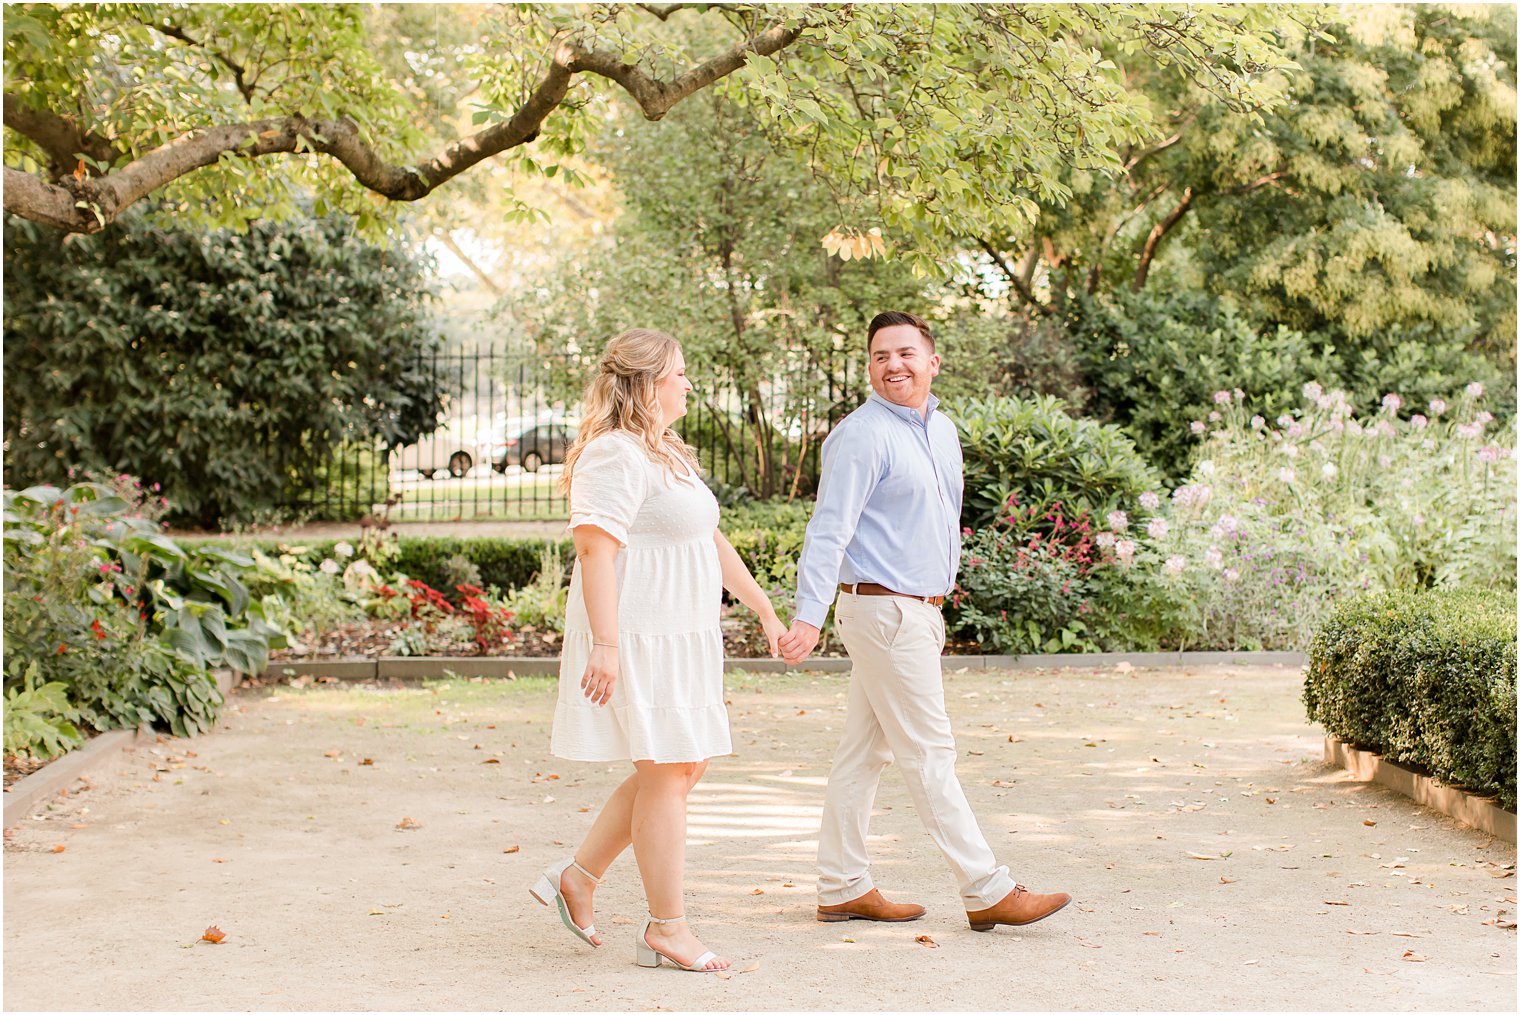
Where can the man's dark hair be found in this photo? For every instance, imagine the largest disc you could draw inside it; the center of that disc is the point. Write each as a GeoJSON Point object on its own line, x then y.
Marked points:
{"type": "Point", "coordinates": [893, 317]}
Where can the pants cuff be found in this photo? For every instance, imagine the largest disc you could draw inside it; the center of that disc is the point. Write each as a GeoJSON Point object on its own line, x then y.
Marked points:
{"type": "Point", "coordinates": [849, 893]}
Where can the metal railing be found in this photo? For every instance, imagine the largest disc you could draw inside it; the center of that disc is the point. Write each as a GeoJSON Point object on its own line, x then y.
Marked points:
{"type": "Point", "coordinates": [510, 414]}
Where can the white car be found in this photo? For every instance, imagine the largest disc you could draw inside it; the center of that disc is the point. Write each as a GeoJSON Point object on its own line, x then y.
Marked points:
{"type": "Point", "coordinates": [442, 453]}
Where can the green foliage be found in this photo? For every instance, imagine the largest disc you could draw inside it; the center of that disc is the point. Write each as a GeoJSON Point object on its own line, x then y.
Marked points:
{"type": "Point", "coordinates": [1426, 679]}
{"type": "Point", "coordinates": [541, 602]}
{"type": "Point", "coordinates": [39, 720]}
{"type": "Point", "coordinates": [503, 563]}
{"type": "Point", "coordinates": [221, 366]}
{"type": "Point", "coordinates": [1033, 453]}
{"type": "Point", "coordinates": [129, 621]}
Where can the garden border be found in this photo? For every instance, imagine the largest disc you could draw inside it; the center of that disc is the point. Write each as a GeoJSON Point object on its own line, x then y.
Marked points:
{"type": "Point", "coordinates": [25, 795]}
{"type": "Point", "coordinates": [1479, 812]}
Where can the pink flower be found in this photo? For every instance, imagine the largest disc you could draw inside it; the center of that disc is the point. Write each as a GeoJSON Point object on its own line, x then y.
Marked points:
{"type": "Point", "coordinates": [1175, 565]}
{"type": "Point", "coordinates": [1474, 390]}
{"type": "Point", "coordinates": [1485, 417]}
{"type": "Point", "coordinates": [1437, 406]}
{"type": "Point", "coordinates": [1493, 453]}
{"type": "Point", "coordinates": [1286, 475]}
{"type": "Point", "coordinates": [1312, 391]}
{"type": "Point", "coordinates": [1231, 575]}
{"type": "Point", "coordinates": [1213, 558]}
{"type": "Point", "coordinates": [1118, 521]}
{"type": "Point", "coordinates": [1418, 422]}
{"type": "Point", "coordinates": [1257, 422]}
{"type": "Point", "coordinates": [1469, 431]}
{"type": "Point", "coordinates": [1157, 528]}
{"type": "Point", "coordinates": [1392, 402]}
{"type": "Point", "coordinates": [1221, 398]}
{"type": "Point", "coordinates": [1149, 501]}
{"type": "Point", "coordinates": [1214, 417]}
{"type": "Point", "coordinates": [1198, 426]}
{"type": "Point", "coordinates": [1124, 549]}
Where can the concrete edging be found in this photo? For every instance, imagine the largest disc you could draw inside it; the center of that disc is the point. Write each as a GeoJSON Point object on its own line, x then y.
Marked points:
{"type": "Point", "coordinates": [1479, 812]}
{"type": "Point", "coordinates": [503, 667]}
{"type": "Point", "coordinates": [26, 794]}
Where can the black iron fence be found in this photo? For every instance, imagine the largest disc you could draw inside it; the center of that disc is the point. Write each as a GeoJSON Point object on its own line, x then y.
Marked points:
{"type": "Point", "coordinates": [510, 414]}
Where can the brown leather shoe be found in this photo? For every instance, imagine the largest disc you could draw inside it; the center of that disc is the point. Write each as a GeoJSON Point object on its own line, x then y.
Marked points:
{"type": "Point", "coordinates": [1019, 907]}
{"type": "Point", "coordinates": [870, 906]}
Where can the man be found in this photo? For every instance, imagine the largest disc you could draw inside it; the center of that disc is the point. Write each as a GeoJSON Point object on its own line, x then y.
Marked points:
{"type": "Point", "coordinates": [886, 530]}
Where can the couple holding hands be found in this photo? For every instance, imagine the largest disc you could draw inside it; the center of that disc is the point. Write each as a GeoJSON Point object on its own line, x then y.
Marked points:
{"type": "Point", "coordinates": [641, 675]}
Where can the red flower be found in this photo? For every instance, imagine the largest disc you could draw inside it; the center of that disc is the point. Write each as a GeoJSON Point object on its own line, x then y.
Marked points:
{"type": "Point", "coordinates": [62, 648]}
{"type": "Point", "coordinates": [95, 626]}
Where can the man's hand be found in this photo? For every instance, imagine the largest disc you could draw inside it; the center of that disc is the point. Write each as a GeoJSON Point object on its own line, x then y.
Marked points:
{"type": "Point", "coordinates": [797, 643]}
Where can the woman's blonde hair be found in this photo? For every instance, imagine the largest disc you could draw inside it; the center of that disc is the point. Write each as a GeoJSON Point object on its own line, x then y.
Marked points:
{"type": "Point", "coordinates": [622, 395]}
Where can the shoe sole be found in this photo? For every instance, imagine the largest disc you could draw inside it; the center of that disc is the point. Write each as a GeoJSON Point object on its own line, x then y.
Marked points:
{"type": "Point", "coordinates": [842, 917]}
{"type": "Point", "coordinates": [983, 927]}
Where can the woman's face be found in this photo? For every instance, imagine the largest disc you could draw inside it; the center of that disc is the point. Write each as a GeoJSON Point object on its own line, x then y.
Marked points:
{"type": "Point", "coordinates": [672, 390]}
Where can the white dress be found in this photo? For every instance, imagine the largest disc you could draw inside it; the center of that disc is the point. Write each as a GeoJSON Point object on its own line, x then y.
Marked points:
{"type": "Point", "coordinates": [667, 703]}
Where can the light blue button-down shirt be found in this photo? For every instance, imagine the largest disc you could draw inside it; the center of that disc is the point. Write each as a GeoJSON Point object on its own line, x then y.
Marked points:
{"type": "Point", "coordinates": [889, 507]}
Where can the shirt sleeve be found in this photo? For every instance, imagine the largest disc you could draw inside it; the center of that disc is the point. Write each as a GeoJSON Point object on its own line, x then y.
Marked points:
{"type": "Point", "coordinates": [609, 485]}
{"type": "Point", "coordinates": [851, 469]}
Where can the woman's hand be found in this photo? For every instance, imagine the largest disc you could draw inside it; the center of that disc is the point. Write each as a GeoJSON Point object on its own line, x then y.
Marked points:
{"type": "Point", "coordinates": [774, 629]}
{"type": "Point", "coordinates": [601, 674]}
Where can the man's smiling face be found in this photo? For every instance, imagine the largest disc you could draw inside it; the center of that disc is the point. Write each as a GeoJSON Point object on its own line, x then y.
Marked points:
{"type": "Point", "coordinates": [902, 365]}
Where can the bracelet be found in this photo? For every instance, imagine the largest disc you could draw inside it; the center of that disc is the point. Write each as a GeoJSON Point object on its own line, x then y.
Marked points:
{"type": "Point", "coordinates": [605, 644]}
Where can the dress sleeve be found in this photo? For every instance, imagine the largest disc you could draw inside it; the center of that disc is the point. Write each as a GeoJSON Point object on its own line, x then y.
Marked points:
{"type": "Point", "coordinates": [609, 485]}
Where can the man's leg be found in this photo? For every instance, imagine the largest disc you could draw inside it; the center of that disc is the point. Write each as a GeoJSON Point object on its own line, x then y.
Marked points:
{"type": "Point", "coordinates": [907, 697]}
{"type": "Point", "coordinates": [843, 861]}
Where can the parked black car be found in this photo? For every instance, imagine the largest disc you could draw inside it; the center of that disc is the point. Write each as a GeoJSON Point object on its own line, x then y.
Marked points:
{"type": "Point", "coordinates": [532, 445]}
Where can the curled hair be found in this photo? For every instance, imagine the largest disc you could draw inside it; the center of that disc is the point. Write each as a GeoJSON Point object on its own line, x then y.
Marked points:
{"type": "Point", "coordinates": [623, 395]}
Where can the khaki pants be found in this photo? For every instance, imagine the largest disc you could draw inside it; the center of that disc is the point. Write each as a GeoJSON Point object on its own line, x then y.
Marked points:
{"type": "Point", "coordinates": [897, 711]}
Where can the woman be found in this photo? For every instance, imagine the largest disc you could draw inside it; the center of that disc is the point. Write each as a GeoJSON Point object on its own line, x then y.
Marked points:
{"type": "Point", "coordinates": [641, 672]}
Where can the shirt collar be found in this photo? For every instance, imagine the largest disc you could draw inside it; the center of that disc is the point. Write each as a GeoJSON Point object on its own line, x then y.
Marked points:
{"type": "Point", "coordinates": [906, 412]}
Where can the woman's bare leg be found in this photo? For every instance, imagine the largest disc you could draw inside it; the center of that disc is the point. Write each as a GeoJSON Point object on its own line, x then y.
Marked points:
{"type": "Point", "coordinates": [659, 845]}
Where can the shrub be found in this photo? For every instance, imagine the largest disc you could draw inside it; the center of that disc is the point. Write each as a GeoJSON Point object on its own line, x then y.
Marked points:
{"type": "Point", "coordinates": [39, 720]}
{"type": "Point", "coordinates": [1425, 679]}
{"type": "Point", "coordinates": [541, 602]}
{"type": "Point", "coordinates": [1280, 518]}
{"type": "Point", "coordinates": [221, 365]}
{"type": "Point", "coordinates": [1033, 451]}
{"type": "Point", "coordinates": [502, 563]}
{"type": "Point", "coordinates": [130, 622]}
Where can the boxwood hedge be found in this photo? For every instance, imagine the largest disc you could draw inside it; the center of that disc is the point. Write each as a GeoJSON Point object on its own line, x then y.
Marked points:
{"type": "Point", "coordinates": [1425, 679]}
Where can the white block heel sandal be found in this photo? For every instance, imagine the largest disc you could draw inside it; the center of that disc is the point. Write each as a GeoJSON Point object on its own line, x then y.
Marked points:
{"type": "Point", "coordinates": [649, 956]}
{"type": "Point", "coordinates": [546, 889]}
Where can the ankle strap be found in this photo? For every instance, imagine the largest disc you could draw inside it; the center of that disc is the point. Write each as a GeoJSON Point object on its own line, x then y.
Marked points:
{"type": "Point", "coordinates": [594, 879]}
{"type": "Point", "coordinates": [673, 919]}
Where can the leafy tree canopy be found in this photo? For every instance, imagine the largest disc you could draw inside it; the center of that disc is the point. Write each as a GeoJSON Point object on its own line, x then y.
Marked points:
{"type": "Point", "coordinates": [945, 117]}
{"type": "Point", "coordinates": [1378, 200]}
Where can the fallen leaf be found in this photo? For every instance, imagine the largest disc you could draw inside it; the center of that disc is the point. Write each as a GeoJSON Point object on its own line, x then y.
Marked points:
{"type": "Point", "coordinates": [367, 761]}
{"type": "Point", "coordinates": [926, 941]}
{"type": "Point", "coordinates": [1404, 933]}
{"type": "Point", "coordinates": [848, 940]}
{"type": "Point", "coordinates": [491, 761]}
{"type": "Point", "coordinates": [758, 891]}
{"type": "Point", "coordinates": [78, 824]}
{"type": "Point", "coordinates": [1369, 823]}
{"type": "Point", "coordinates": [1087, 944]}
{"type": "Point", "coordinates": [407, 824]}
{"type": "Point", "coordinates": [1226, 881]}
{"type": "Point", "coordinates": [214, 934]}
{"type": "Point", "coordinates": [1362, 932]}
{"type": "Point", "coordinates": [218, 859]}
{"type": "Point", "coordinates": [511, 849]}
{"type": "Point", "coordinates": [1329, 903]}
{"type": "Point", "coordinates": [752, 967]}
{"type": "Point", "coordinates": [1410, 956]}
{"type": "Point", "coordinates": [59, 848]}
{"type": "Point", "coordinates": [377, 912]}
{"type": "Point", "coordinates": [331, 754]}
{"type": "Point", "coordinates": [1207, 856]}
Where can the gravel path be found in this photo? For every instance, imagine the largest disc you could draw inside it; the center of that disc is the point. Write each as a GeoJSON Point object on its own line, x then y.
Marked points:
{"type": "Point", "coordinates": [1216, 863]}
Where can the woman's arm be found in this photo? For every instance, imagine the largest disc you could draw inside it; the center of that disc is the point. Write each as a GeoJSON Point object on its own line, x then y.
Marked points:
{"type": "Point", "coordinates": [597, 552]}
{"type": "Point", "coordinates": [738, 580]}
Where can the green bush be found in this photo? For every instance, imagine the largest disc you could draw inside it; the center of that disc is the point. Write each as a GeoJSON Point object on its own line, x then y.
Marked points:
{"type": "Point", "coordinates": [1425, 679]}
{"type": "Point", "coordinates": [128, 621]}
{"type": "Point", "coordinates": [221, 365]}
{"type": "Point", "coordinates": [1032, 452]}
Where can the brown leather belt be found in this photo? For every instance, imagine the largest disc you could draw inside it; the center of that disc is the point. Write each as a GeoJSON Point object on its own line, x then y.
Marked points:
{"type": "Point", "coordinates": [873, 589]}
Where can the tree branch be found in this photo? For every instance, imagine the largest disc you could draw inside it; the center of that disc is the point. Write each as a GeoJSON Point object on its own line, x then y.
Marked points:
{"type": "Point", "coordinates": [1159, 230]}
{"type": "Point", "coordinates": [1018, 280]}
{"type": "Point", "coordinates": [62, 139]}
{"type": "Point", "coordinates": [88, 205]}
{"type": "Point", "coordinates": [452, 245]}
{"type": "Point", "coordinates": [239, 75]}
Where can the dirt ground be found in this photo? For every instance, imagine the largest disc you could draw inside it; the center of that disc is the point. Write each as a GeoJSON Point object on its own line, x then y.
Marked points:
{"type": "Point", "coordinates": [1215, 862]}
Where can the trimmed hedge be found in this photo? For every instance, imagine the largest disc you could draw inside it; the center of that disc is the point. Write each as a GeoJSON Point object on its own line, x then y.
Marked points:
{"type": "Point", "coordinates": [1425, 679]}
